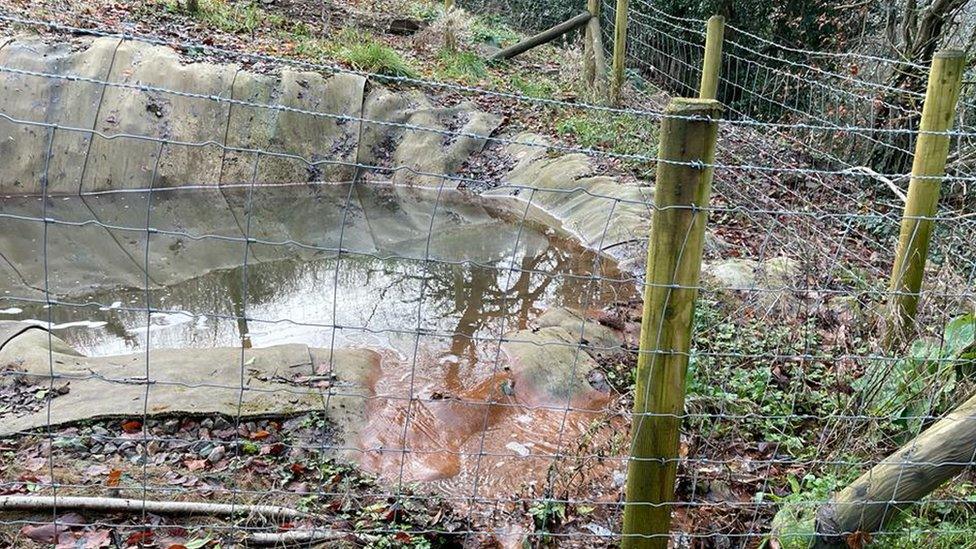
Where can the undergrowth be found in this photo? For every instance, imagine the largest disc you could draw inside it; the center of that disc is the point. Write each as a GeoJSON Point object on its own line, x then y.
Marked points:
{"type": "Point", "coordinates": [464, 66]}
{"type": "Point", "coordinates": [624, 134]}
{"type": "Point", "coordinates": [364, 52]}
{"type": "Point", "coordinates": [232, 17]}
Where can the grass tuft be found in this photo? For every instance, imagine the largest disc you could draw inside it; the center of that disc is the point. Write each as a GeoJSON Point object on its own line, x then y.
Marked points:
{"type": "Point", "coordinates": [621, 134]}
{"type": "Point", "coordinates": [229, 17]}
{"type": "Point", "coordinates": [365, 53]}
{"type": "Point", "coordinates": [463, 65]}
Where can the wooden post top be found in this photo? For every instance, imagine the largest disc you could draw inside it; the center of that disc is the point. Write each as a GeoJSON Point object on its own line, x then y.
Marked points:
{"type": "Point", "coordinates": [692, 106]}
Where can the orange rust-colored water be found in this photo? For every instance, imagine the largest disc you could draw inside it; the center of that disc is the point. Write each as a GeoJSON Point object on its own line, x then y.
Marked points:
{"type": "Point", "coordinates": [471, 427]}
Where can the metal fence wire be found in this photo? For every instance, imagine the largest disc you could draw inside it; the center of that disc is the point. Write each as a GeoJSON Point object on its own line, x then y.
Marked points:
{"type": "Point", "coordinates": [249, 300]}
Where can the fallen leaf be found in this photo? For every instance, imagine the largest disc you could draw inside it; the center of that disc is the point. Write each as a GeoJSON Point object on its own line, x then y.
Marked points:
{"type": "Point", "coordinates": [96, 470]}
{"type": "Point", "coordinates": [143, 537]}
{"type": "Point", "coordinates": [132, 426]}
{"type": "Point", "coordinates": [195, 464]}
{"type": "Point", "coordinates": [35, 464]}
{"type": "Point", "coordinates": [45, 533]}
{"type": "Point", "coordinates": [260, 435]}
{"type": "Point", "coordinates": [113, 478]}
{"type": "Point", "coordinates": [858, 539]}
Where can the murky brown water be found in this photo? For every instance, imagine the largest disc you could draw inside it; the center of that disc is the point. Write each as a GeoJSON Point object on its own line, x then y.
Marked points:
{"type": "Point", "coordinates": [437, 323]}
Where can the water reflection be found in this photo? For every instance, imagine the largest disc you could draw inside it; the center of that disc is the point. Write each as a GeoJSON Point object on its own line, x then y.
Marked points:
{"type": "Point", "coordinates": [432, 282]}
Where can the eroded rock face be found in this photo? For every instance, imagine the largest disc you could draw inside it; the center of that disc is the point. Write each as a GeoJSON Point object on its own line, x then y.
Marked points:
{"type": "Point", "coordinates": [160, 122]}
{"type": "Point", "coordinates": [600, 210]}
{"type": "Point", "coordinates": [201, 382]}
{"type": "Point", "coordinates": [217, 122]}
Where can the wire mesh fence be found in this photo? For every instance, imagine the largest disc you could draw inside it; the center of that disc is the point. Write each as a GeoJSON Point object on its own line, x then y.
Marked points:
{"type": "Point", "coordinates": [358, 307]}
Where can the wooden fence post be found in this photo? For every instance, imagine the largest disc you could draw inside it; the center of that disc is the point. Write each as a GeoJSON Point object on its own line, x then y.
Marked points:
{"type": "Point", "coordinates": [712, 64]}
{"type": "Point", "coordinates": [688, 135]}
{"type": "Point", "coordinates": [594, 61]}
{"type": "Point", "coordinates": [928, 168]}
{"type": "Point", "coordinates": [543, 37]}
{"type": "Point", "coordinates": [450, 38]}
{"type": "Point", "coordinates": [941, 452]}
{"type": "Point", "coordinates": [619, 51]}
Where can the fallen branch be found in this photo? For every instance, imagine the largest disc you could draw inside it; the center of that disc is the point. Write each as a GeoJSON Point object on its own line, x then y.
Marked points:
{"type": "Point", "coordinates": [75, 503]}
{"type": "Point", "coordinates": [543, 37]}
{"type": "Point", "coordinates": [864, 170]}
{"type": "Point", "coordinates": [293, 537]}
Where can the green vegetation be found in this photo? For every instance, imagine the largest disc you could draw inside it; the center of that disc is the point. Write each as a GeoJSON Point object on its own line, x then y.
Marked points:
{"type": "Point", "coordinates": [366, 53]}
{"type": "Point", "coordinates": [244, 17]}
{"type": "Point", "coordinates": [463, 66]}
{"type": "Point", "coordinates": [620, 133]}
{"type": "Point", "coordinates": [734, 372]}
{"type": "Point", "coordinates": [923, 383]}
{"type": "Point", "coordinates": [425, 11]}
{"type": "Point", "coordinates": [547, 515]}
{"type": "Point", "coordinates": [533, 85]}
{"type": "Point", "coordinates": [624, 134]}
{"type": "Point", "coordinates": [489, 29]}
{"type": "Point", "coordinates": [944, 522]}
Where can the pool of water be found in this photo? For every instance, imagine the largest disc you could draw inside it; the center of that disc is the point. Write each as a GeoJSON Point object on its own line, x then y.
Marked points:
{"type": "Point", "coordinates": [431, 279]}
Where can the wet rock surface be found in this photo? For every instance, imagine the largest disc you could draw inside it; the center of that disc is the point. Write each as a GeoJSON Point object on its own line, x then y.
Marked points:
{"type": "Point", "coordinates": [160, 122]}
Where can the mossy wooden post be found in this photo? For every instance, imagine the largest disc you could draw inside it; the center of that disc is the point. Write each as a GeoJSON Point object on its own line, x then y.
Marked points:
{"type": "Point", "coordinates": [712, 64]}
{"type": "Point", "coordinates": [619, 51]}
{"type": "Point", "coordinates": [941, 452]}
{"type": "Point", "coordinates": [673, 268]}
{"type": "Point", "coordinates": [594, 62]}
{"type": "Point", "coordinates": [450, 39]}
{"type": "Point", "coordinates": [543, 37]}
{"type": "Point", "coordinates": [931, 150]}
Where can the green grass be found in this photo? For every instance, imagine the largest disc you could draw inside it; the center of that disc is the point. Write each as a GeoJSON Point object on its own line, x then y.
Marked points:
{"type": "Point", "coordinates": [357, 48]}
{"type": "Point", "coordinates": [489, 29]}
{"type": "Point", "coordinates": [947, 522]}
{"type": "Point", "coordinates": [464, 66]}
{"type": "Point", "coordinates": [366, 53]}
{"type": "Point", "coordinates": [233, 17]}
{"type": "Point", "coordinates": [534, 86]}
{"type": "Point", "coordinates": [621, 134]}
